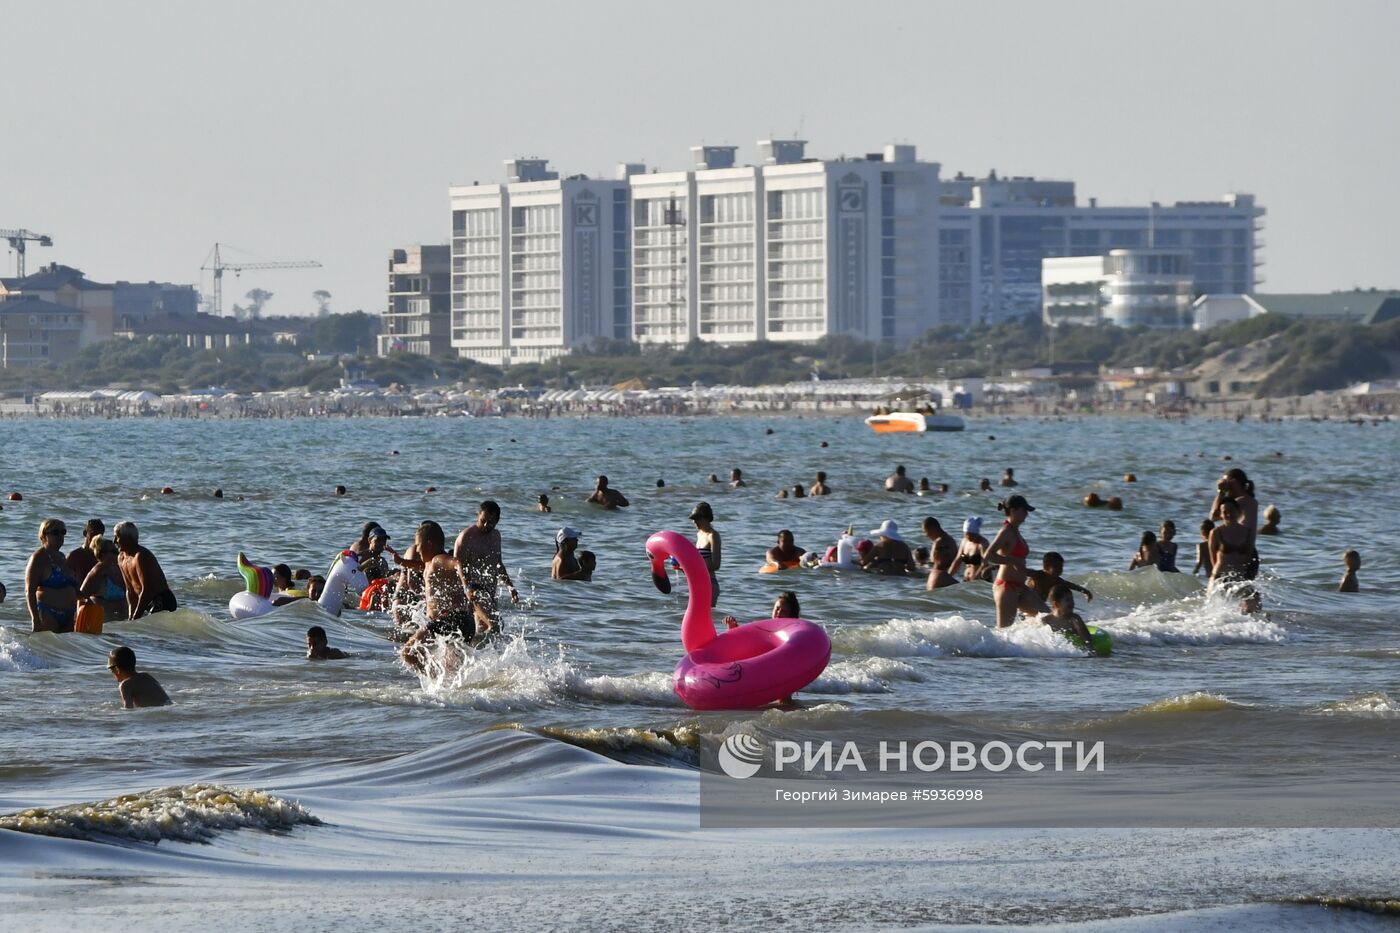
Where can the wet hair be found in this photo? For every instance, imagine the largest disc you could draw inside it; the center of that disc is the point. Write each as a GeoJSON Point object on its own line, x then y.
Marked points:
{"type": "Point", "coordinates": [587, 559]}
{"type": "Point", "coordinates": [921, 553]}
{"type": "Point", "coordinates": [602, 481]}
{"type": "Point", "coordinates": [316, 633]}
{"type": "Point", "coordinates": [899, 469]}
{"type": "Point", "coordinates": [1348, 558]}
{"type": "Point", "coordinates": [126, 530]}
{"type": "Point", "coordinates": [1053, 557]}
{"type": "Point", "coordinates": [340, 490]}
{"type": "Point", "coordinates": [785, 531]}
{"type": "Point", "coordinates": [490, 508]}
{"type": "Point", "coordinates": [798, 491]}
{"type": "Point", "coordinates": [1147, 538]}
{"type": "Point", "coordinates": [821, 476]}
{"type": "Point", "coordinates": [1207, 527]}
{"type": "Point", "coordinates": [660, 483]}
{"type": "Point", "coordinates": [93, 526]}
{"type": "Point", "coordinates": [1238, 475]}
{"type": "Point", "coordinates": [432, 533]}
{"type": "Point", "coordinates": [543, 499]}
{"type": "Point", "coordinates": [736, 472]}
{"type": "Point", "coordinates": [52, 526]}
{"type": "Point", "coordinates": [789, 604]}
{"type": "Point", "coordinates": [1061, 592]}
{"type": "Point", "coordinates": [283, 571]}
{"type": "Point", "coordinates": [123, 658]}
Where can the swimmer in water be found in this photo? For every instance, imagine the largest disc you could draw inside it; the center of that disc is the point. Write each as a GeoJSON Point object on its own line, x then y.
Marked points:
{"type": "Point", "coordinates": [820, 488]}
{"type": "Point", "coordinates": [984, 485]}
{"type": "Point", "coordinates": [315, 586]}
{"type": "Point", "coordinates": [898, 482]}
{"type": "Point", "coordinates": [587, 564]}
{"type": "Point", "coordinates": [450, 610]}
{"type": "Point", "coordinates": [1148, 554]}
{"type": "Point", "coordinates": [971, 551]}
{"type": "Point", "coordinates": [1064, 619]}
{"type": "Point", "coordinates": [317, 647]}
{"type": "Point", "coordinates": [543, 504]}
{"type": "Point", "coordinates": [138, 689]}
{"type": "Point", "coordinates": [798, 492]}
{"type": "Point", "coordinates": [283, 592]}
{"type": "Point", "coordinates": [1203, 548]}
{"type": "Point", "coordinates": [1352, 561]}
{"type": "Point", "coordinates": [1272, 516]}
{"type": "Point", "coordinates": [785, 553]}
{"type": "Point", "coordinates": [944, 553]}
{"type": "Point", "coordinates": [784, 607]}
{"type": "Point", "coordinates": [736, 478]}
{"type": "Point", "coordinates": [607, 497]}
{"type": "Point", "coordinates": [1231, 550]}
{"type": "Point", "coordinates": [566, 564]}
{"type": "Point", "coordinates": [924, 488]}
{"type": "Point", "coordinates": [1009, 478]}
{"type": "Point", "coordinates": [1166, 547]}
{"type": "Point", "coordinates": [1051, 575]}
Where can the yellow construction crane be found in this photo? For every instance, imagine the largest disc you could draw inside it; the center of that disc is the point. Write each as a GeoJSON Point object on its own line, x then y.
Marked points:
{"type": "Point", "coordinates": [215, 263]}
{"type": "Point", "coordinates": [18, 240]}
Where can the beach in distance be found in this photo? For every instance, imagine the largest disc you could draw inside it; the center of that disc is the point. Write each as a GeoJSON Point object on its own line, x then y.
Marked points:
{"type": "Point", "coordinates": [551, 779]}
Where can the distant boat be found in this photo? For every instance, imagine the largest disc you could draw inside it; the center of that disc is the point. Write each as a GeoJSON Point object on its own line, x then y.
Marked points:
{"type": "Point", "coordinates": [913, 422]}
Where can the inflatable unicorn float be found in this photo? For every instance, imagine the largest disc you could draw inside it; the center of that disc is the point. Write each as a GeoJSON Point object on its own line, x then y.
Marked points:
{"type": "Point", "coordinates": [259, 600]}
{"type": "Point", "coordinates": [745, 667]}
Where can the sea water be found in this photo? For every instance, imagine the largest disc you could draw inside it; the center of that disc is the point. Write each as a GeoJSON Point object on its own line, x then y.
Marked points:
{"type": "Point", "coordinates": [550, 781]}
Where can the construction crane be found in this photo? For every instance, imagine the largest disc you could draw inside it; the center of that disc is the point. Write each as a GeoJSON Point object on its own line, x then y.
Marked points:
{"type": "Point", "coordinates": [19, 239]}
{"type": "Point", "coordinates": [215, 263]}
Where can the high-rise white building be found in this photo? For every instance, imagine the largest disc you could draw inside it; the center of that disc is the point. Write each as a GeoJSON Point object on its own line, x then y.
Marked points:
{"type": "Point", "coordinates": [1124, 287]}
{"type": "Point", "coordinates": [534, 263]}
{"type": "Point", "coordinates": [790, 249]}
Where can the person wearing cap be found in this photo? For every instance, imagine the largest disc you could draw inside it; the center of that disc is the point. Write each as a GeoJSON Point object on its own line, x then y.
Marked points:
{"type": "Point", "coordinates": [708, 543]}
{"type": "Point", "coordinates": [373, 564]}
{"type": "Point", "coordinates": [891, 554]}
{"type": "Point", "coordinates": [898, 482]}
{"type": "Point", "coordinates": [361, 544]}
{"type": "Point", "coordinates": [607, 497]}
{"type": "Point", "coordinates": [1008, 552]}
{"type": "Point", "coordinates": [81, 560]}
{"type": "Point", "coordinates": [566, 564]}
{"type": "Point", "coordinates": [971, 552]}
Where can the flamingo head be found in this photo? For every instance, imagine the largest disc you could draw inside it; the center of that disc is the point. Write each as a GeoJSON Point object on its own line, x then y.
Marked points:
{"type": "Point", "coordinates": [659, 577]}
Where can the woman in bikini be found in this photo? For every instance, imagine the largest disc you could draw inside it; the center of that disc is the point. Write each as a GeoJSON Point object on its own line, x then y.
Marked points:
{"type": "Point", "coordinates": [1232, 553]}
{"type": "Point", "coordinates": [50, 591]}
{"type": "Point", "coordinates": [1008, 553]}
{"type": "Point", "coordinates": [104, 585]}
{"type": "Point", "coordinates": [1236, 485]}
{"type": "Point", "coordinates": [708, 543]}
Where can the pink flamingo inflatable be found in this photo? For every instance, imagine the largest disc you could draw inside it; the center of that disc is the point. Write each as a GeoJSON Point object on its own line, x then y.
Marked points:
{"type": "Point", "coordinates": [742, 668]}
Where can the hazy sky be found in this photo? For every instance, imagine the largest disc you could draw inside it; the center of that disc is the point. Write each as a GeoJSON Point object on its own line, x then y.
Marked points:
{"type": "Point", "coordinates": [138, 133]}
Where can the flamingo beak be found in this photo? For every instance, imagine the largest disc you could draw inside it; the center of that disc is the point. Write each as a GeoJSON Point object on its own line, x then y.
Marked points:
{"type": "Point", "coordinates": [659, 576]}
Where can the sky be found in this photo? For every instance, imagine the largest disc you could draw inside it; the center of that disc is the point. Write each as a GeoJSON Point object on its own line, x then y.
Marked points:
{"type": "Point", "coordinates": [139, 133]}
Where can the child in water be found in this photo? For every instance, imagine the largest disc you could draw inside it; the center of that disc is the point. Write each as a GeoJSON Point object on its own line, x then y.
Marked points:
{"type": "Point", "coordinates": [1064, 619]}
{"type": "Point", "coordinates": [318, 648]}
{"type": "Point", "coordinates": [1148, 555]}
{"type": "Point", "coordinates": [1166, 547]}
{"type": "Point", "coordinates": [1352, 560]}
{"type": "Point", "coordinates": [1203, 547]}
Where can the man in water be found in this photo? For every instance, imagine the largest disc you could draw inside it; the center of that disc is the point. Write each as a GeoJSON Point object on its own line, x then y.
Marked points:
{"type": "Point", "coordinates": [449, 607]}
{"type": "Point", "coordinates": [146, 588]}
{"type": "Point", "coordinates": [478, 554]}
{"type": "Point", "coordinates": [736, 478]}
{"type": "Point", "coordinates": [820, 488]}
{"type": "Point", "coordinates": [318, 646]}
{"type": "Point", "coordinates": [1009, 478]}
{"type": "Point", "coordinates": [138, 689]}
{"type": "Point", "coordinates": [786, 553]}
{"type": "Point", "coordinates": [606, 497]}
{"type": "Point", "coordinates": [81, 560]}
{"type": "Point", "coordinates": [898, 482]}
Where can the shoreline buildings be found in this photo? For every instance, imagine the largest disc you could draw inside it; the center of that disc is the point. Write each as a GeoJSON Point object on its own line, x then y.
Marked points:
{"type": "Point", "coordinates": [790, 248]}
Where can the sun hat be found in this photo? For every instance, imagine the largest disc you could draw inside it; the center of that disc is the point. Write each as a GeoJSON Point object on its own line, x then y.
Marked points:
{"type": "Point", "coordinates": [888, 530]}
{"type": "Point", "coordinates": [565, 533]}
{"type": "Point", "coordinates": [972, 526]}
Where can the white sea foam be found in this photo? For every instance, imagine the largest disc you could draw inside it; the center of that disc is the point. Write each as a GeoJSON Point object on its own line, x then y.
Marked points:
{"type": "Point", "coordinates": [865, 675]}
{"type": "Point", "coordinates": [192, 813]}
{"type": "Point", "coordinates": [955, 635]}
{"type": "Point", "coordinates": [14, 656]}
{"type": "Point", "coordinates": [1204, 620]}
{"type": "Point", "coordinates": [1366, 703]}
